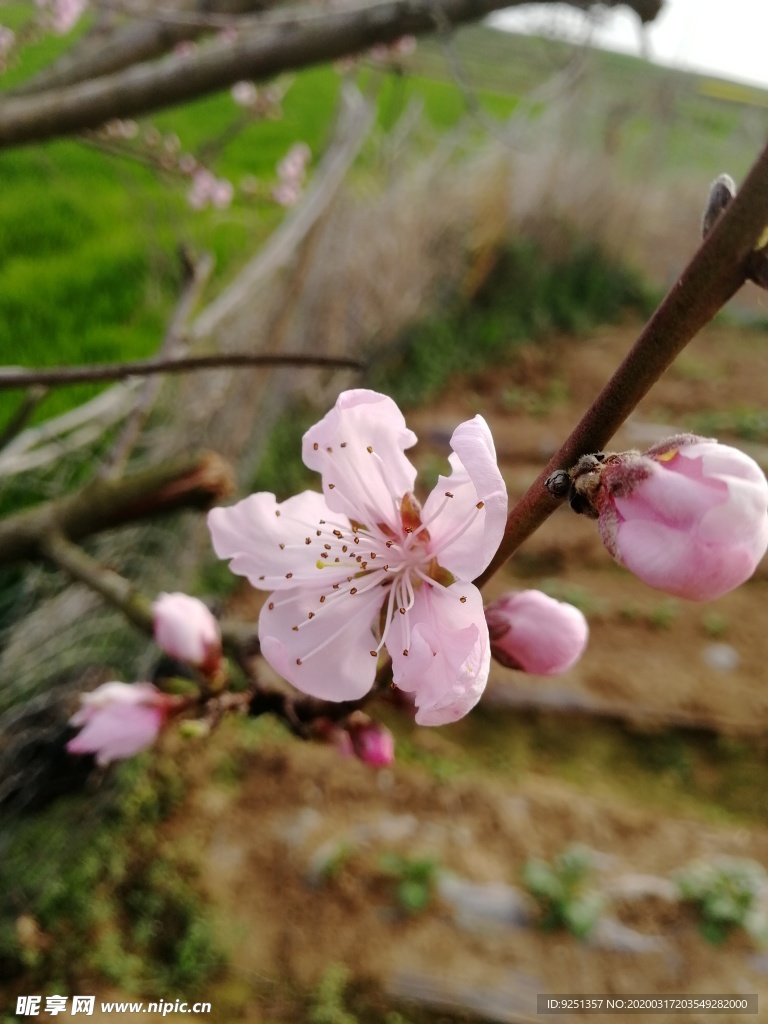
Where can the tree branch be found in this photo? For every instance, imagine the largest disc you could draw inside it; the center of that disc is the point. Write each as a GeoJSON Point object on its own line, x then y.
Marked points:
{"type": "Point", "coordinates": [298, 40]}
{"type": "Point", "coordinates": [22, 415]}
{"type": "Point", "coordinates": [62, 376]}
{"type": "Point", "coordinates": [106, 53]}
{"type": "Point", "coordinates": [721, 265]}
{"type": "Point", "coordinates": [199, 481]}
{"type": "Point", "coordinates": [238, 639]}
{"type": "Point", "coordinates": [115, 589]}
{"type": "Point", "coordinates": [196, 274]}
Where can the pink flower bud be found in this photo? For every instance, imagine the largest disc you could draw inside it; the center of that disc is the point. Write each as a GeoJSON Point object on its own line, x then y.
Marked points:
{"type": "Point", "coordinates": [244, 94]}
{"type": "Point", "coordinates": [222, 193]}
{"type": "Point", "coordinates": [535, 633]}
{"type": "Point", "coordinates": [286, 195]}
{"type": "Point", "coordinates": [186, 630]}
{"type": "Point", "coordinates": [688, 517]}
{"type": "Point", "coordinates": [372, 743]}
{"type": "Point", "coordinates": [119, 720]}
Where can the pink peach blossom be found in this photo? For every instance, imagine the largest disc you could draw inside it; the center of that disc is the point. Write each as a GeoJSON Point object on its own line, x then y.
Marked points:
{"type": "Point", "coordinates": [535, 633]}
{"type": "Point", "coordinates": [186, 630]}
{"type": "Point", "coordinates": [363, 566]}
{"type": "Point", "coordinates": [62, 15]}
{"type": "Point", "coordinates": [118, 720]}
{"type": "Point", "coordinates": [207, 190]}
{"type": "Point", "coordinates": [688, 517]}
{"type": "Point", "coordinates": [286, 195]}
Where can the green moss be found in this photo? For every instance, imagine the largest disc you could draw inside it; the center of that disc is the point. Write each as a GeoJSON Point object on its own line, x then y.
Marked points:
{"type": "Point", "coordinates": [109, 895]}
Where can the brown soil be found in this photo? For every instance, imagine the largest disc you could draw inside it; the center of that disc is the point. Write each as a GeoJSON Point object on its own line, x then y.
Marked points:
{"type": "Point", "coordinates": [510, 783]}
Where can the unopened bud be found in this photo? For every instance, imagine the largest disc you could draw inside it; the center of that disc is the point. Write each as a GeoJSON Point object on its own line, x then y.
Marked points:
{"type": "Point", "coordinates": [689, 516]}
{"type": "Point", "coordinates": [372, 742]}
{"type": "Point", "coordinates": [533, 632]}
{"type": "Point", "coordinates": [721, 192]}
{"type": "Point", "coordinates": [186, 630]}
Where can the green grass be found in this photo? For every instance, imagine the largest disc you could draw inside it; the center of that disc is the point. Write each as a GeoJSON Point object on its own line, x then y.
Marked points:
{"type": "Point", "coordinates": [530, 294]}
{"type": "Point", "coordinates": [743, 422]}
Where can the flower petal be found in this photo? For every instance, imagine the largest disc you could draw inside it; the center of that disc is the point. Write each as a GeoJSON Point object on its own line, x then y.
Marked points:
{"type": "Point", "coordinates": [464, 540]}
{"type": "Point", "coordinates": [276, 546]}
{"type": "Point", "coordinates": [329, 654]}
{"type": "Point", "coordinates": [358, 449]}
{"type": "Point", "coordinates": [681, 563]}
{"type": "Point", "coordinates": [448, 658]}
{"type": "Point", "coordinates": [118, 731]}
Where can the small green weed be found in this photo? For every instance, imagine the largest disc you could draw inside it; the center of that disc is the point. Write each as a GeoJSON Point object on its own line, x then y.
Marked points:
{"type": "Point", "coordinates": [415, 879]}
{"type": "Point", "coordinates": [714, 624]}
{"type": "Point", "coordinates": [328, 1004]}
{"type": "Point", "coordinates": [725, 894]}
{"type": "Point", "coordinates": [745, 422]}
{"type": "Point", "coordinates": [663, 614]}
{"type": "Point", "coordinates": [560, 890]}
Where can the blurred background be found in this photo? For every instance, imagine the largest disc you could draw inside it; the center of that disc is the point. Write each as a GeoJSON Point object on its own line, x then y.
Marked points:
{"type": "Point", "coordinates": [485, 218]}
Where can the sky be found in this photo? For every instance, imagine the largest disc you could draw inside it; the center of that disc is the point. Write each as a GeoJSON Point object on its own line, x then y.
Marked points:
{"type": "Point", "coordinates": [726, 38]}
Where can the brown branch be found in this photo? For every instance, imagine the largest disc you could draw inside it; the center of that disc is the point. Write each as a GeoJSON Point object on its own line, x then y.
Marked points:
{"type": "Point", "coordinates": [722, 264]}
{"type": "Point", "coordinates": [115, 589]}
{"type": "Point", "coordinates": [238, 639]}
{"type": "Point", "coordinates": [105, 53]}
{"type": "Point", "coordinates": [199, 481]}
{"type": "Point", "coordinates": [62, 376]}
{"type": "Point", "coordinates": [257, 55]}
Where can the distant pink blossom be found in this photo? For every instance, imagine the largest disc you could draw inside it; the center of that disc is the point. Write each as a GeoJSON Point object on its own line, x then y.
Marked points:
{"type": "Point", "coordinates": [363, 565]}
{"type": "Point", "coordinates": [689, 517]}
{"type": "Point", "coordinates": [245, 94]}
{"type": "Point", "coordinates": [293, 166]}
{"type": "Point", "coordinates": [535, 633]}
{"type": "Point", "coordinates": [373, 743]}
{"type": "Point", "coordinates": [62, 15]}
{"type": "Point", "coordinates": [405, 46]}
{"type": "Point", "coordinates": [187, 163]}
{"type": "Point", "coordinates": [286, 195]}
{"type": "Point", "coordinates": [386, 53]}
{"type": "Point", "coordinates": [7, 41]}
{"type": "Point", "coordinates": [118, 720]}
{"type": "Point", "coordinates": [186, 629]}
{"type": "Point", "coordinates": [229, 34]}
{"type": "Point", "coordinates": [292, 173]}
{"type": "Point", "coordinates": [208, 190]}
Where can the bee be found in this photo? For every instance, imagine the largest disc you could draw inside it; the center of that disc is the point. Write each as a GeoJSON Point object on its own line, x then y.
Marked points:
{"type": "Point", "coordinates": [580, 483]}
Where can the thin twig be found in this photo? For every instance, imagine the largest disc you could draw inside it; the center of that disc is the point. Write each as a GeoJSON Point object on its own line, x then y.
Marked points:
{"type": "Point", "coordinates": [113, 588]}
{"type": "Point", "coordinates": [196, 274]}
{"type": "Point", "coordinates": [21, 417]}
{"type": "Point", "coordinates": [718, 269]}
{"type": "Point", "coordinates": [63, 376]}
